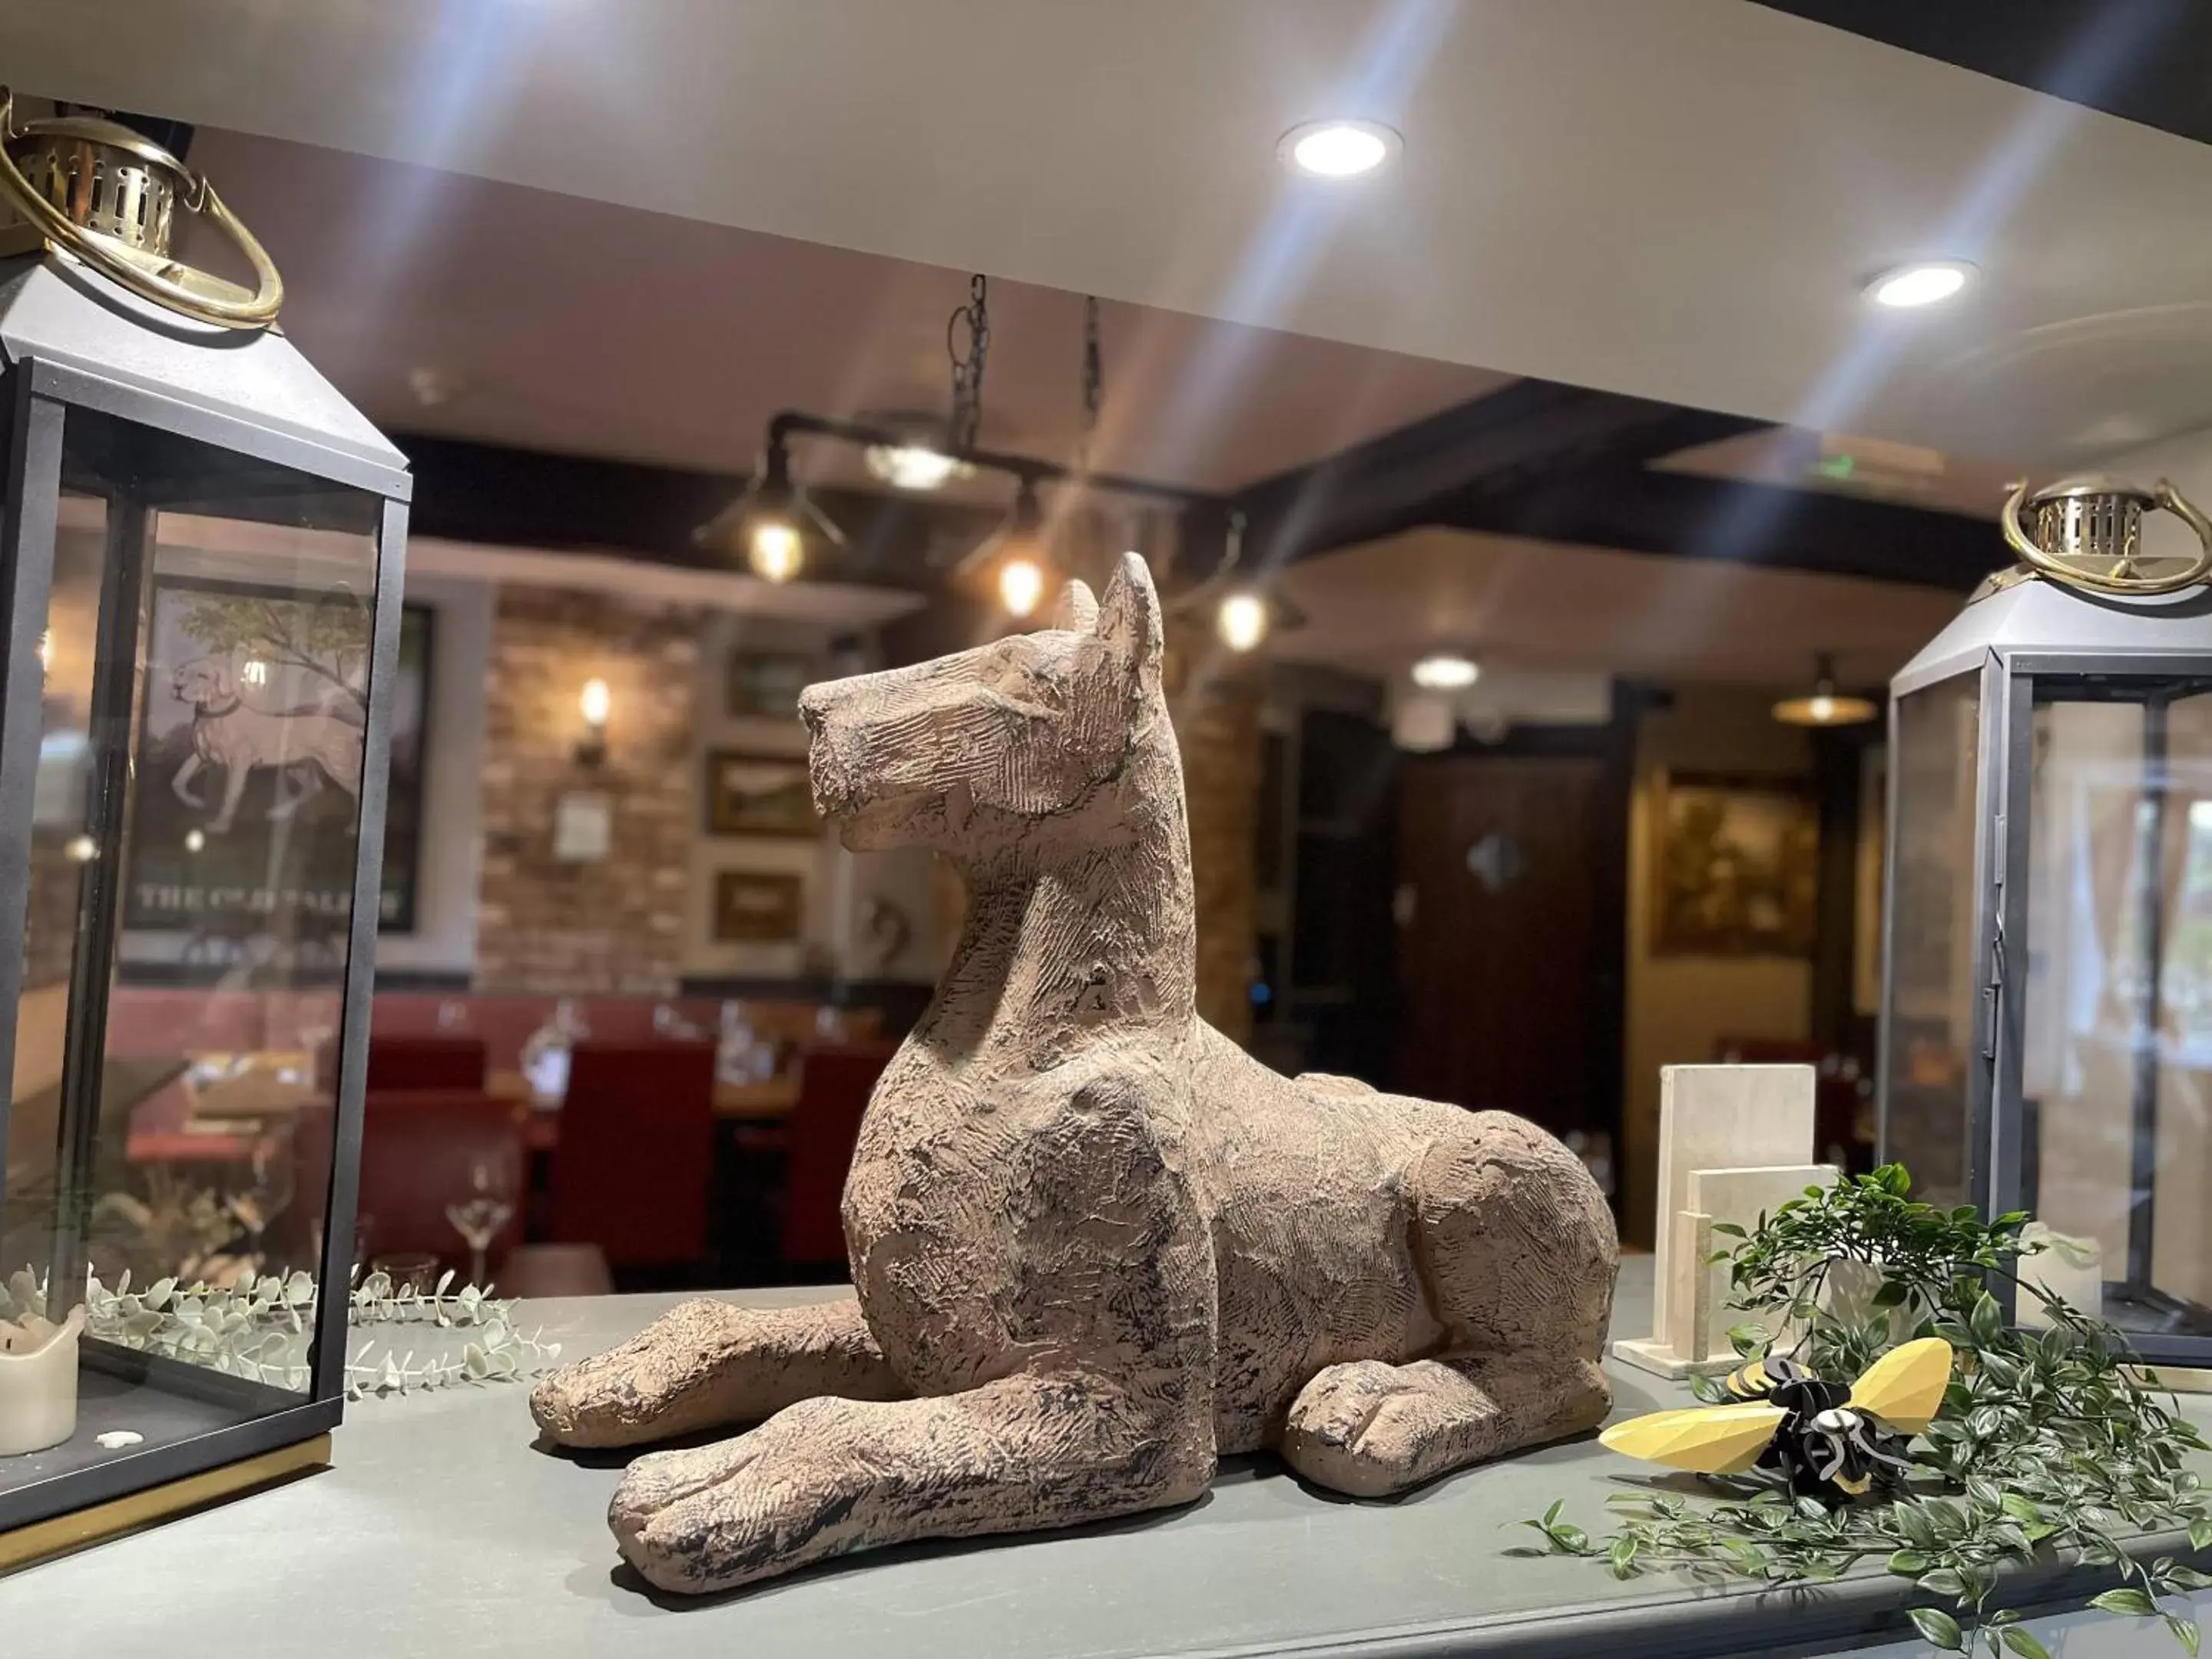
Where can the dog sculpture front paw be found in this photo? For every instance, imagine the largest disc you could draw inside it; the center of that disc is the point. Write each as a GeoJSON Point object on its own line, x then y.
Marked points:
{"type": "Point", "coordinates": [791, 1492]}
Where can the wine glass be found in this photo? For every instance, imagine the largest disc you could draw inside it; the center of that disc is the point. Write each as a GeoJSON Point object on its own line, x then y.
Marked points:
{"type": "Point", "coordinates": [733, 1053]}
{"type": "Point", "coordinates": [479, 1217]}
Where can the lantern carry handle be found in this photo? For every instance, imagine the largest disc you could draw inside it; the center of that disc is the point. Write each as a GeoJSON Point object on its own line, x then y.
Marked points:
{"type": "Point", "coordinates": [2121, 579]}
{"type": "Point", "coordinates": [172, 283]}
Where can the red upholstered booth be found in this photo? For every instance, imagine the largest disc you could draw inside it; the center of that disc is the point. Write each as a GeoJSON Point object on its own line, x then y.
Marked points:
{"type": "Point", "coordinates": [635, 1158]}
{"type": "Point", "coordinates": [442, 1062]}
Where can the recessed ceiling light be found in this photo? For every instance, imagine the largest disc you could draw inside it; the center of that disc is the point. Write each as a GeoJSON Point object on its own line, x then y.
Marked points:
{"type": "Point", "coordinates": [1921, 284]}
{"type": "Point", "coordinates": [1445, 672]}
{"type": "Point", "coordinates": [1339, 150]}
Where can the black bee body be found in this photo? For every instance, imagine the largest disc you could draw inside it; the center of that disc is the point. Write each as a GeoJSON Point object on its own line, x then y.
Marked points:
{"type": "Point", "coordinates": [1824, 1447]}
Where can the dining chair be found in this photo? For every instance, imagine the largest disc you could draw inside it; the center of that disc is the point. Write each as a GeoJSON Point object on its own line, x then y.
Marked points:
{"type": "Point", "coordinates": [835, 1082]}
{"type": "Point", "coordinates": [421, 1150]}
{"type": "Point", "coordinates": [425, 1150]}
{"type": "Point", "coordinates": [635, 1161]}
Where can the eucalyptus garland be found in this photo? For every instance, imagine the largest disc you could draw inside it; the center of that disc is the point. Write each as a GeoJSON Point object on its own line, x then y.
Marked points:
{"type": "Point", "coordinates": [262, 1328]}
{"type": "Point", "coordinates": [2047, 1447]}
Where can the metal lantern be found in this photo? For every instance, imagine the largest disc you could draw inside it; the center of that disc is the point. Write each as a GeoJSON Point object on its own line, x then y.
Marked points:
{"type": "Point", "coordinates": [200, 563]}
{"type": "Point", "coordinates": [2047, 999]}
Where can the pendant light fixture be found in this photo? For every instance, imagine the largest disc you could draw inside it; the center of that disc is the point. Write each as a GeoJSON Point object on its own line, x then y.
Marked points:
{"type": "Point", "coordinates": [767, 525]}
{"type": "Point", "coordinates": [1022, 573]}
{"type": "Point", "coordinates": [1243, 613]}
{"type": "Point", "coordinates": [1825, 706]}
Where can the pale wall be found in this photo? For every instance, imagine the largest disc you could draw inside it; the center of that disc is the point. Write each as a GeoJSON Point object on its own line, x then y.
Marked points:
{"type": "Point", "coordinates": [444, 939]}
{"type": "Point", "coordinates": [1681, 1007]}
{"type": "Point", "coordinates": [838, 884]}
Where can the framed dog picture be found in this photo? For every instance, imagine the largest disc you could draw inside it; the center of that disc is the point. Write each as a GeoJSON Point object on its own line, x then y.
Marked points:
{"type": "Point", "coordinates": [757, 907]}
{"type": "Point", "coordinates": [766, 685]}
{"type": "Point", "coordinates": [759, 796]}
{"type": "Point", "coordinates": [248, 770]}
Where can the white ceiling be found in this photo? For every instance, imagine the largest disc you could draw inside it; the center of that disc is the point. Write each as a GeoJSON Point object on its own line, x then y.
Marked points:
{"type": "Point", "coordinates": [1678, 201]}
{"type": "Point", "coordinates": [547, 322]}
{"type": "Point", "coordinates": [1514, 603]}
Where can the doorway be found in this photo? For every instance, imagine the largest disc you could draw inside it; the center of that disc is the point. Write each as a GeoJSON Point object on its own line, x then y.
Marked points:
{"type": "Point", "coordinates": [1511, 934]}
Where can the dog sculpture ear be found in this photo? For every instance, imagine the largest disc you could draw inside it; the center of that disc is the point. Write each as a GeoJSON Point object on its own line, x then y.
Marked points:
{"type": "Point", "coordinates": [1129, 619]}
{"type": "Point", "coordinates": [1077, 611]}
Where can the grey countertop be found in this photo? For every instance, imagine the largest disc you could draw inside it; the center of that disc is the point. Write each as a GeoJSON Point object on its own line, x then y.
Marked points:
{"type": "Point", "coordinates": [441, 1528]}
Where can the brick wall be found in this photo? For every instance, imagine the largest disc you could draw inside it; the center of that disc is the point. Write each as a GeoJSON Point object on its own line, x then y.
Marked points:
{"type": "Point", "coordinates": [617, 925]}
{"type": "Point", "coordinates": [1214, 699]}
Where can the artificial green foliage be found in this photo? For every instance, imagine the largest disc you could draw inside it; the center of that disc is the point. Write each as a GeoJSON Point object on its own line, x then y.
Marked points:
{"type": "Point", "coordinates": [2047, 1446]}
{"type": "Point", "coordinates": [264, 1329]}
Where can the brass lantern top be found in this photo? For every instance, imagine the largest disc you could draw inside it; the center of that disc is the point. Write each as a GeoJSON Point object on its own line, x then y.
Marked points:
{"type": "Point", "coordinates": [108, 196]}
{"type": "Point", "coordinates": [2086, 532]}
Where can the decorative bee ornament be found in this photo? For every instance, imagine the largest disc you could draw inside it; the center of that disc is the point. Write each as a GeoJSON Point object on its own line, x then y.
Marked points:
{"type": "Point", "coordinates": [1826, 1441]}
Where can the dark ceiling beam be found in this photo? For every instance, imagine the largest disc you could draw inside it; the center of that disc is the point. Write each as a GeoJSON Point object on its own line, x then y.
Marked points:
{"type": "Point", "coordinates": [1561, 462]}
{"type": "Point", "coordinates": [1527, 431]}
{"type": "Point", "coordinates": [483, 493]}
{"type": "Point", "coordinates": [2142, 60]}
{"type": "Point", "coordinates": [1640, 510]}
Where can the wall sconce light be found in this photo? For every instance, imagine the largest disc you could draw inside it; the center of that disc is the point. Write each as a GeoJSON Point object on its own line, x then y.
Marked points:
{"type": "Point", "coordinates": [596, 704]}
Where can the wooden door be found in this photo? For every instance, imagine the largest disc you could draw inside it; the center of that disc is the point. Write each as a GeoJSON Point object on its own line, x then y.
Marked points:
{"type": "Point", "coordinates": [1509, 919]}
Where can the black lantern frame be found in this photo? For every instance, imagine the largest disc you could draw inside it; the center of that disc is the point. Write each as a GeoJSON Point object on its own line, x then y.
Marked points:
{"type": "Point", "coordinates": [75, 345]}
{"type": "Point", "coordinates": [2026, 644]}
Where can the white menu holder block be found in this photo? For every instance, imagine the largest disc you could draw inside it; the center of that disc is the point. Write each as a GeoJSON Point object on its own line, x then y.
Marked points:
{"type": "Point", "coordinates": [1712, 1118]}
{"type": "Point", "coordinates": [38, 1382]}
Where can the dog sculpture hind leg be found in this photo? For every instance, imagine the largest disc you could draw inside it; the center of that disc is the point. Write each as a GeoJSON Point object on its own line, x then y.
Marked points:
{"type": "Point", "coordinates": [1094, 1244]}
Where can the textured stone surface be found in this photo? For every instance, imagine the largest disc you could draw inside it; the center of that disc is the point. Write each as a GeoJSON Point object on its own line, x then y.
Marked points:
{"type": "Point", "coordinates": [1095, 1245]}
{"type": "Point", "coordinates": [615, 926]}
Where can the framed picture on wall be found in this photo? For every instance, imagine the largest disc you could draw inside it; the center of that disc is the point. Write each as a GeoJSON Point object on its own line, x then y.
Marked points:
{"type": "Point", "coordinates": [766, 685]}
{"type": "Point", "coordinates": [758, 907]}
{"type": "Point", "coordinates": [1867, 898]}
{"type": "Point", "coordinates": [759, 796]}
{"type": "Point", "coordinates": [1736, 865]}
{"type": "Point", "coordinates": [248, 770]}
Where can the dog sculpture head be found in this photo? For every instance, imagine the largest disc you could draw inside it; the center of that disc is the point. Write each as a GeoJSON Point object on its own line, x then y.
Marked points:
{"type": "Point", "coordinates": [203, 682]}
{"type": "Point", "coordinates": [1005, 745]}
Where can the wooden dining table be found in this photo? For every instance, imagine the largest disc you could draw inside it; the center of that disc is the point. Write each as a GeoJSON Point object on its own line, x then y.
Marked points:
{"type": "Point", "coordinates": [222, 1121]}
{"type": "Point", "coordinates": [226, 1120]}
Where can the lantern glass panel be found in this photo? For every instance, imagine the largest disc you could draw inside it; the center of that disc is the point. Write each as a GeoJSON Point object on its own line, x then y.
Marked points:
{"type": "Point", "coordinates": [1931, 963]}
{"type": "Point", "coordinates": [2116, 1064]}
{"type": "Point", "coordinates": [195, 825]}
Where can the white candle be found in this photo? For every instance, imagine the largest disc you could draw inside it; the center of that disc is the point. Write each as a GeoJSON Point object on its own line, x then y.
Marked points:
{"type": "Point", "coordinates": [38, 1382]}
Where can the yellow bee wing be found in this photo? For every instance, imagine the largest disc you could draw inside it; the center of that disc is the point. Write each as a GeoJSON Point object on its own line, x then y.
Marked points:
{"type": "Point", "coordinates": [1710, 1439]}
{"type": "Point", "coordinates": [1905, 1386]}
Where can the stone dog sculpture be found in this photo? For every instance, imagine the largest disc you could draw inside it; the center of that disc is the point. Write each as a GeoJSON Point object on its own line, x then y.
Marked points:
{"type": "Point", "coordinates": [1095, 1245]}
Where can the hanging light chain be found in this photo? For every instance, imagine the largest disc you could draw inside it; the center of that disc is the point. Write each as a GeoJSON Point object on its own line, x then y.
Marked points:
{"type": "Point", "coordinates": [973, 319]}
{"type": "Point", "coordinates": [1094, 383]}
